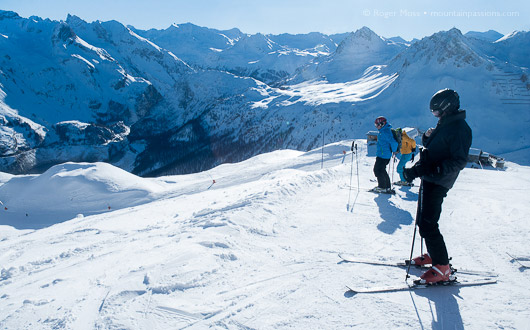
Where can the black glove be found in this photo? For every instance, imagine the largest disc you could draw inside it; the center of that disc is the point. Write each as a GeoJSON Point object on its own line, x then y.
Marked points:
{"type": "Point", "coordinates": [409, 174]}
{"type": "Point", "coordinates": [352, 144]}
{"type": "Point", "coordinates": [416, 171]}
{"type": "Point", "coordinates": [428, 167]}
{"type": "Point", "coordinates": [412, 159]}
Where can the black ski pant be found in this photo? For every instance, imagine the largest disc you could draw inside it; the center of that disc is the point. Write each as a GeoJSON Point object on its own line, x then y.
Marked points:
{"type": "Point", "coordinates": [429, 208]}
{"type": "Point", "coordinates": [383, 180]}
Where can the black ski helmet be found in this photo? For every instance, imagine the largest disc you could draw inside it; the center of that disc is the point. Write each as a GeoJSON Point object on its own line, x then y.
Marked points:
{"type": "Point", "coordinates": [445, 100]}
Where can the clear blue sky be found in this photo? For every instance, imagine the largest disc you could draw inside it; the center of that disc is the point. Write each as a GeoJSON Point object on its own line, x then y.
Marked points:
{"type": "Point", "coordinates": [408, 19]}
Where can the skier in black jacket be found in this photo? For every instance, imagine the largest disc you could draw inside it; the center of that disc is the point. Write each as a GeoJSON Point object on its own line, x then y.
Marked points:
{"type": "Point", "coordinates": [442, 159]}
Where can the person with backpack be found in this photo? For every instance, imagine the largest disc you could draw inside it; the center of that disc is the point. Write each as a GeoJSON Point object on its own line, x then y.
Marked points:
{"type": "Point", "coordinates": [444, 156]}
{"type": "Point", "coordinates": [407, 151]}
{"type": "Point", "coordinates": [386, 147]}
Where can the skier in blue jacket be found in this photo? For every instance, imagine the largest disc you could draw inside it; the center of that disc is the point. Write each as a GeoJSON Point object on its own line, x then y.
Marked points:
{"type": "Point", "coordinates": [386, 147]}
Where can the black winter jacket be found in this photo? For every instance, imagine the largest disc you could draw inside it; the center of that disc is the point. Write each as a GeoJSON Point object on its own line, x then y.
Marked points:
{"type": "Point", "coordinates": [447, 149]}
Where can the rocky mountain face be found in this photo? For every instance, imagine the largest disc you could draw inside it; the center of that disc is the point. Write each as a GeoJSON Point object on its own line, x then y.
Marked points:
{"type": "Point", "coordinates": [188, 98]}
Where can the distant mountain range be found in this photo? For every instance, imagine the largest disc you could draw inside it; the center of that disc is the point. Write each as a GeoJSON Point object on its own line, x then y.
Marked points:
{"type": "Point", "coordinates": [187, 98]}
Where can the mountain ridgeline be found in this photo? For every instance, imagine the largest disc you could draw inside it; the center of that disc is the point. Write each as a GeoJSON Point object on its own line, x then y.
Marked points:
{"type": "Point", "coordinates": [188, 98]}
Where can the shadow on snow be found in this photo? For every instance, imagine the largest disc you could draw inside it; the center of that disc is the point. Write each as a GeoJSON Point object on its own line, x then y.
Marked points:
{"type": "Point", "coordinates": [393, 217]}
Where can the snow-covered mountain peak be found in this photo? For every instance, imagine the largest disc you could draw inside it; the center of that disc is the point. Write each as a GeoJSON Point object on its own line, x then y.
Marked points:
{"type": "Point", "coordinates": [187, 28]}
{"type": "Point", "coordinates": [74, 20]}
{"type": "Point", "coordinates": [512, 48]}
{"type": "Point", "coordinates": [194, 44]}
{"type": "Point", "coordinates": [447, 38]}
{"type": "Point", "coordinates": [189, 32]}
{"type": "Point", "coordinates": [360, 41]}
{"type": "Point", "coordinates": [12, 24]}
{"type": "Point", "coordinates": [256, 43]}
{"type": "Point", "coordinates": [446, 48]}
{"type": "Point", "coordinates": [360, 50]}
{"type": "Point", "coordinates": [4, 14]}
{"type": "Point", "coordinates": [366, 33]}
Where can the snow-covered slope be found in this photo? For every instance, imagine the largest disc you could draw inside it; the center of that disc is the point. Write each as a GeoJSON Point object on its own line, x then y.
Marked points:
{"type": "Point", "coordinates": [67, 190]}
{"type": "Point", "coordinates": [513, 48]}
{"type": "Point", "coordinates": [51, 75]}
{"type": "Point", "coordinates": [258, 249]}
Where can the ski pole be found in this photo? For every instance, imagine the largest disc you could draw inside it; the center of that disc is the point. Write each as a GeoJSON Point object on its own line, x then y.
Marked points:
{"type": "Point", "coordinates": [411, 251]}
{"type": "Point", "coordinates": [351, 173]}
{"type": "Point", "coordinates": [416, 223]}
{"type": "Point", "coordinates": [392, 171]}
{"type": "Point", "coordinates": [357, 160]}
{"type": "Point", "coordinates": [421, 250]}
{"type": "Point", "coordinates": [322, 120]}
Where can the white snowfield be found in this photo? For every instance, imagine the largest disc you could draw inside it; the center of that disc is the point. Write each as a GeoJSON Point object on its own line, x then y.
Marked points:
{"type": "Point", "coordinates": [257, 249]}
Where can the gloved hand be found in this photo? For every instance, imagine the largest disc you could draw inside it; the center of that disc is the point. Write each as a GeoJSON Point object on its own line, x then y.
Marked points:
{"type": "Point", "coordinates": [409, 174]}
{"type": "Point", "coordinates": [416, 171]}
{"type": "Point", "coordinates": [419, 170]}
{"type": "Point", "coordinates": [428, 167]}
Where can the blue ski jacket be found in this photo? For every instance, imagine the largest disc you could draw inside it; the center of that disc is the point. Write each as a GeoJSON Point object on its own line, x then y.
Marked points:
{"type": "Point", "coordinates": [386, 144]}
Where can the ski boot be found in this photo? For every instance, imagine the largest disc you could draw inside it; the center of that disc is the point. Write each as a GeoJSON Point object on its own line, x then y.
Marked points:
{"type": "Point", "coordinates": [437, 274]}
{"type": "Point", "coordinates": [421, 260]}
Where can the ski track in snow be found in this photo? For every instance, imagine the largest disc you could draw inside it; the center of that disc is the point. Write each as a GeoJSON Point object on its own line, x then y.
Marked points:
{"type": "Point", "coordinates": [258, 250]}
